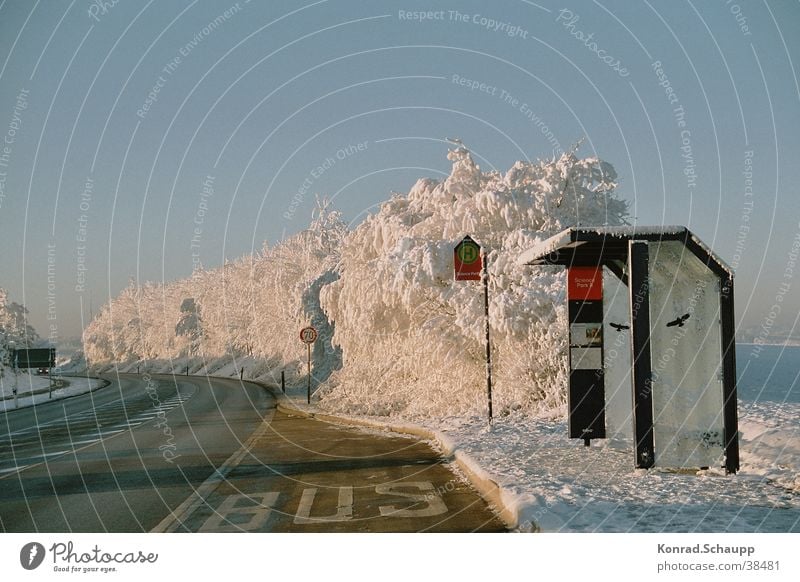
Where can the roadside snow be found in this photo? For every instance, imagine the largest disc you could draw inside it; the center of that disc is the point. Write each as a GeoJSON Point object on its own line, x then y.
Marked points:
{"type": "Point", "coordinates": [557, 484]}
{"type": "Point", "coordinates": [34, 389]}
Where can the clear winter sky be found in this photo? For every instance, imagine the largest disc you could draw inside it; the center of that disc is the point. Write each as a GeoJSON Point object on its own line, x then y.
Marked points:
{"type": "Point", "coordinates": [268, 91]}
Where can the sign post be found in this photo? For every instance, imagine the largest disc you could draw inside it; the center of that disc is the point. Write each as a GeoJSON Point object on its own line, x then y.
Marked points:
{"type": "Point", "coordinates": [308, 335]}
{"type": "Point", "coordinates": [471, 264]}
{"type": "Point", "coordinates": [15, 368]}
{"type": "Point", "coordinates": [586, 396]}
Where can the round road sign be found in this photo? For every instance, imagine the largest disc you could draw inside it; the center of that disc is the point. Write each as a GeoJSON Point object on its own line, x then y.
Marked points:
{"type": "Point", "coordinates": [308, 335]}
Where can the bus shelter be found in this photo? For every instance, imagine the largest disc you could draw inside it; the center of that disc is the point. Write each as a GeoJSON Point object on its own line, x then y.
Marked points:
{"type": "Point", "coordinates": [651, 343]}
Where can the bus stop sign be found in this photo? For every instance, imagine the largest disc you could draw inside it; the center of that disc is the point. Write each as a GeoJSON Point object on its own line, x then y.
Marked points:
{"type": "Point", "coordinates": [467, 260]}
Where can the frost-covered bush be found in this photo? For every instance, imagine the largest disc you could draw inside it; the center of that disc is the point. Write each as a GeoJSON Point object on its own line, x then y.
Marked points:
{"type": "Point", "coordinates": [251, 307]}
{"type": "Point", "coordinates": [413, 338]}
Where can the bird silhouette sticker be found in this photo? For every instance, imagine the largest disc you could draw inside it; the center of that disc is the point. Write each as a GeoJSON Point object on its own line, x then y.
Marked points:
{"type": "Point", "coordinates": [679, 321]}
{"type": "Point", "coordinates": [619, 326]}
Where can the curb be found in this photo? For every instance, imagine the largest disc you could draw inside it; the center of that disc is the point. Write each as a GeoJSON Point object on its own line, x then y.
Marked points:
{"type": "Point", "coordinates": [477, 477]}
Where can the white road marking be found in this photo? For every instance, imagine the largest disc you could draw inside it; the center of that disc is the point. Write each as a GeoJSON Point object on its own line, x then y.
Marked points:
{"type": "Point", "coordinates": [103, 434]}
{"type": "Point", "coordinates": [434, 505]}
{"type": "Point", "coordinates": [344, 510]}
{"type": "Point", "coordinates": [227, 517]}
{"type": "Point", "coordinates": [175, 519]}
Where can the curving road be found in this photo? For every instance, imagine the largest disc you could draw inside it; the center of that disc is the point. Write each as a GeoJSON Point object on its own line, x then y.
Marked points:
{"type": "Point", "coordinates": [183, 453]}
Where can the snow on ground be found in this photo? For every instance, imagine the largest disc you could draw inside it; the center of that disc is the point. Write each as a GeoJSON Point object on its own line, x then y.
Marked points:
{"type": "Point", "coordinates": [33, 389]}
{"type": "Point", "coordinates": [560, 485]}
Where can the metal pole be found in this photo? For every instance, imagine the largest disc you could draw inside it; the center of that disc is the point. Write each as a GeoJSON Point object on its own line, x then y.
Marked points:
{"type": "Point", "coordinates": [308, 395]}
{"type": "Point", "coordinates": [16, 400]}
{"type": "Point", "coordinates": [283, 382]}
{"type": "Point", "coordinates": [50, 382]}
{"type": "Point", "coordinates": [488, 344]}
{"type": "Point", "coordinates": [241, 373]}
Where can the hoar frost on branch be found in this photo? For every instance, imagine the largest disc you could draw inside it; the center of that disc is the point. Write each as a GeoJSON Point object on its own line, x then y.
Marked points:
{"type": "Point", "coordinates": [251, 307]}
{"type": "Point", "coordinates": [412, 338]}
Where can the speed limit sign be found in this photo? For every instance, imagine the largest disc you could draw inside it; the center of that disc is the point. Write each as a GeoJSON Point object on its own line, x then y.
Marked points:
{"type": "Point", "coordinates": [308, 335]}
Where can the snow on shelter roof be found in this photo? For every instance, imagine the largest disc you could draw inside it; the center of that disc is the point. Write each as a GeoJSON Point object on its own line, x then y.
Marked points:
{"type": "Point", "coordinates": [589, 246]}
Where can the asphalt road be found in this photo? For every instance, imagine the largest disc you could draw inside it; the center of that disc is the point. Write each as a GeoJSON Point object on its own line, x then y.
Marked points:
{"type": "Point", "coordinates": [206, 454]}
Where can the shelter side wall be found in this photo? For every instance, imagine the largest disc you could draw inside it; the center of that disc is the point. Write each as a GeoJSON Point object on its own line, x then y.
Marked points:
{"type": "Point", "coordinates": [687, 382]}
{"type": "Point", "coordinates": [617, 359]}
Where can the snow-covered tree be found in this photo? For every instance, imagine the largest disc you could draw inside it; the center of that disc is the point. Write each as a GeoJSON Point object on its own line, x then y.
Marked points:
{"type": "Point", "coordinates": [410, 338]}
{"type": "Point", "coordinates": [14, 327]}
{"type": "Point", "coordinates": [413, 338]}
{"type": "Point", "coordinates": [253, 306]}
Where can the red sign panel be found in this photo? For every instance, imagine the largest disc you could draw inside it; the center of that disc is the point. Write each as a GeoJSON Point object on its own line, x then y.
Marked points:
{"type": "Point", "coordinates": [585, 283]}
{"type": "Point", "coordinates": [467, 260]}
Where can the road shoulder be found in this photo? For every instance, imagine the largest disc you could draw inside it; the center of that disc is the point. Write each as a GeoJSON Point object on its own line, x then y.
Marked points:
{"type": "Point", "coordinates": [500, 500]}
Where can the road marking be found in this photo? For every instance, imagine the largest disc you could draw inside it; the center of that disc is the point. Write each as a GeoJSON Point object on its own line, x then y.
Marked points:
{"type": "Point", "coordinates": [434, 504]}
{"type": "Point", "coordinates": [51, 454]}
{"type": "Point", "coordinates": [109, 410]}
{"type": "Point", "coordinates": [104, 433]}
{"type": "Point", "coordinates": [66, 421]}
{"type": "Point", "coordinates": [225, 516]}
{"type": "Point", "coordinates": [180, 514]}
{"type": "Point", "coordinates": [344, 510]}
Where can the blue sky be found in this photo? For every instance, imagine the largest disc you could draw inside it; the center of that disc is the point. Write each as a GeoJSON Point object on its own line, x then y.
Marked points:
{"type": "Point", "coordinates": [134, 125]}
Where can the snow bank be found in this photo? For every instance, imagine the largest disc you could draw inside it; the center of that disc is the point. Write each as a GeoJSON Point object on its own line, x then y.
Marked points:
{"type": "Point", "coordinates": [555, 484]}
{"type": "Point", "coordinates": [770, 442]}
{"type": "Point", "coordinates": [32, 389]}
